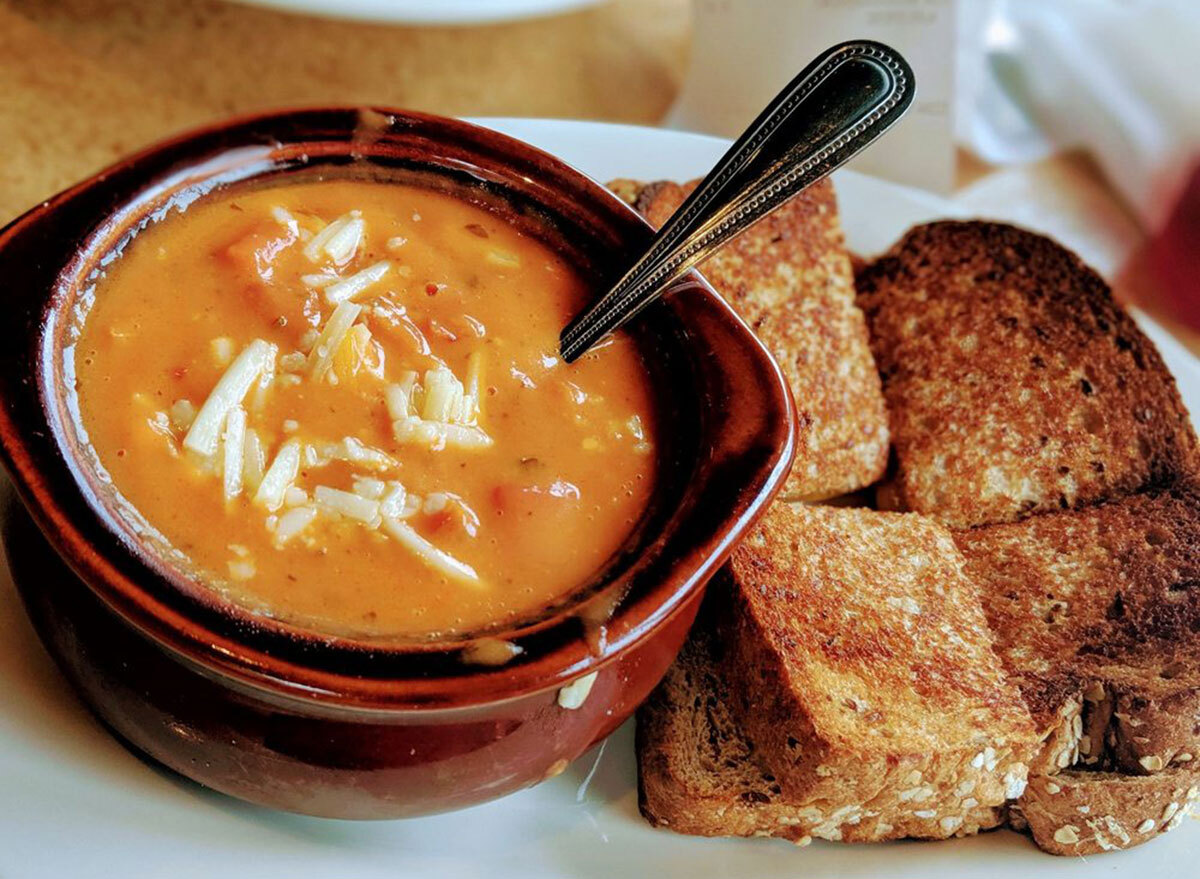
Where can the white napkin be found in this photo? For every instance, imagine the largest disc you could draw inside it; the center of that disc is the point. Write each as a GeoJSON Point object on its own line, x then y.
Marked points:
{"type": "Point", "coordinates": [1117, 78]}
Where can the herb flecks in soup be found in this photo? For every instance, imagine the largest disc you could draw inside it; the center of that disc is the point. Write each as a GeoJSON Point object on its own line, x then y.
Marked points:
{"type": "Point", "coordinates": [343, 402]}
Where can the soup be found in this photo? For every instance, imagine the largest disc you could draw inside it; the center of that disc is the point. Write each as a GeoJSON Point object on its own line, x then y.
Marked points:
{"type": "Point", "coordinates": [342, 401]}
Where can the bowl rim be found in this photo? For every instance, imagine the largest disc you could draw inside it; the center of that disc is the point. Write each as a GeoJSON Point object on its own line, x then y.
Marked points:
{"type": "Point", "coordinates": [53, 488]}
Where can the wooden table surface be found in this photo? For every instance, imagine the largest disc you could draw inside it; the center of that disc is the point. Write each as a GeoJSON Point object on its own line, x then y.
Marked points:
{"type": "Point", "coordinates": [83, 82]}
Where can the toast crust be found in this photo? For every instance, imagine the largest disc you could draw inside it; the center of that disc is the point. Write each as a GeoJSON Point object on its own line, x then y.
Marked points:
{"type": "Point", "coordinates": [1015, 383]}
{"type": "Point", "coordinates": [790, 279]}
{"type": "Point", "coordinates": [699, 774]}
{"type": "Point", "coordinates": [1084, 813]}
{"type": "Point", "coordinates": [1099, 609]}
{"type": "Point", "coordinates": [1057, 681]}
{"type": "Point", "coordinates": [826, 607]}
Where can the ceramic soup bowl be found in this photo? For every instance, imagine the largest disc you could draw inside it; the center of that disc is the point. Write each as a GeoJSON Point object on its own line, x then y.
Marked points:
{"type": "Point", "coordinates": [291, 718]}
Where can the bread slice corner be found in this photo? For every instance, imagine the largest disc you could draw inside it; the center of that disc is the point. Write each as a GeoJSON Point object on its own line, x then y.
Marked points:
{"type": "Point", "coordinates": [863, 667]}
{"type": "Point", "coordinates": [790, 279]}
{"type": "Point", "coordinates": [1014, 381]}
{"type": "Point", "coordinates": [1095, 614]}
{"type": "Point", "coordinates": [1080, 812]}
{"type": "Point", "coordinates": [783, 719]}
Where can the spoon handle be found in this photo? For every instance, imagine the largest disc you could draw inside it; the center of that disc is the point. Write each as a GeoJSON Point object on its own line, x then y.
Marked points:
{"type": "Point", "coordinates": [838, 105]}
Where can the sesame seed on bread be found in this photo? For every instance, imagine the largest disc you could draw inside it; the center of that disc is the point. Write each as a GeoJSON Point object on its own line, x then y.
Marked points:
{"type": "Point", "coordinates": [857, 644]}
{"type": "Point", "coordinates": [789, 277]}
{"type": "Point", "coordinates": [1096, 615]}
{"type": "Point", "coordinates": [1014, 382]}
{"type": "Point", "coordinates": [1100, 609]}
{"type": "Point", "coordinates": [848, 691]}
{"type": "Point", "coordinates": [1082, 813]}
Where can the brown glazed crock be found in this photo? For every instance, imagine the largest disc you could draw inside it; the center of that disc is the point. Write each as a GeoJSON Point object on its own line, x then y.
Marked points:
{"type": "Point", "coordinates": [337, 726]}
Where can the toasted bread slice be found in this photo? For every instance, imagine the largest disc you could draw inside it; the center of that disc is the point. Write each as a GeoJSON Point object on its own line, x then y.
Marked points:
{"type": "Point", "coordinates": [1096, 613]}
{"type": "Point", "coordinates": [699, 774]}
{"type": "Point", "coordinates": [1014, 382]}
{"type": "Point", "coordinates": [1082, 813]}
{"type": "Point", "coordinates": [789, 277]}
{"type": "Point", "coordinates": [862, 665]}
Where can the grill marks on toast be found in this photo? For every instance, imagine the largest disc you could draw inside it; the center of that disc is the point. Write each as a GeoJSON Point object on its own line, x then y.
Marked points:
{"type": "Point", "coordinates": [790, 279]}
{"type": "Point", "coordinates": [1015, 383]}
{"type": "Point", "coordinates": [858, 663]}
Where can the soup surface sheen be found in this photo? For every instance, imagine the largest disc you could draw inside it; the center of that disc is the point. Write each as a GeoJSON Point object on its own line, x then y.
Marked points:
{"type": "Point", "coordinates": [342, 401]}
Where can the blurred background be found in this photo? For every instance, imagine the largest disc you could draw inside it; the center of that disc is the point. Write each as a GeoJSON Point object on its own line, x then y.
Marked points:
{"type": "Point", "coordinates": [1074, 117]}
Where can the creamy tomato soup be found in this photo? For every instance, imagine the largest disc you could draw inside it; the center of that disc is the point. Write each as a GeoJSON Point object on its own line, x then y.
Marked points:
{"type": "Point", "coordinates": [342, 401]}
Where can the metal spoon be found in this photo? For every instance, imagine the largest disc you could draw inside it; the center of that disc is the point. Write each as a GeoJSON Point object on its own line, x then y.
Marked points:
{"type": "Point", "coordinates": [837, 106]}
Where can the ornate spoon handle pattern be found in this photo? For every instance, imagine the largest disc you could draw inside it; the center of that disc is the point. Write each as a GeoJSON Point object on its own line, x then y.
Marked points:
{"type": "Point", "coordinates": [837, 106]}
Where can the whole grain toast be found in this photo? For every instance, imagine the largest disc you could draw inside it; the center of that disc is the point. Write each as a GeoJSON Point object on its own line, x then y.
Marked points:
{"type": "Point", "coordinates": [1096, 613]}
{"type": "Point", "coordinates": [850, 692]}
{"type": "Point", "coordinates": [697, 772]}
{"type": "Point", "coordinates": [789, 277]}
{"type": "Point", "coordinates": [1084, 812]}
{"type": "Point", "coordinates": [1014, 382]}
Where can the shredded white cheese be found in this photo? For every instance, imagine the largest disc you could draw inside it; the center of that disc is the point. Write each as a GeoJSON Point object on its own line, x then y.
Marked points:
{"type": "Point", "coordinates": [295, 496]}
{"type": "Point", "coordinates": [339, 240]}
{"type": "Point", "coordinates": [356, 451]}
{"type": "Point", "coordinates": [438, 413]}
{"type": "Point", "coordinates": [344, 244]}
{"type": "Point", "coordinates": [266, 381]}
{"type": "Point", "coordinates": [435, 502]}
{"type": "Point", "coordinates": [443, 396]}
{"type": "Point", "coordinates": [222, 350]}
{"type": "Point", "coordinates": [436, 435]}
{"type": "Point", "coordinates": [394, 503]}
{"type": "Point", "coordinates": [369, 487]}
{"type": "Point", "coordinates": [320, 359]}
{"type": "Point", "coordinates": [471, 387]}
{"type": "Point", "coordinates": [279, 476]}
{"type": "Point", "coordinates": [574, 694]}
{"type": "Point", "coordinates": [318, 280]}
{"type": "Point", "coordinates": [293, 522]}
{"type": "Point", "coordinates": [234, 442]}
{"type": "Point", "coordinates": [398, 397]}
{"type": "Point", "coordinates": [348, 288]}
{"type": "Point", "coordinates": [348, 504]}
{"type": "Point", "coordinates": [205, 431]}
{"type": "Point", "coordinates": [242, 569]}
{"type": "Point", "coordinates": [286, 219]}
{"type": "Point", "coordinates": [437, 559]}
{"type": "Point", "coordinates": [293, 362]}
{"type": "Point", "coordinates": [254, 460]}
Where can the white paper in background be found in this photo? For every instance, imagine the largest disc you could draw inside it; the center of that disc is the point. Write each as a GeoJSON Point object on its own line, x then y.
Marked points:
{"type": "Point", "coordinates": [745, 51]}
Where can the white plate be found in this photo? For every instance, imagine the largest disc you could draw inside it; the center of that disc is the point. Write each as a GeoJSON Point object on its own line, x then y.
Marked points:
{"type": "Point", "coordinates": [425, 12]}
{"type": "Point", "coordinates": [74, 803]}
